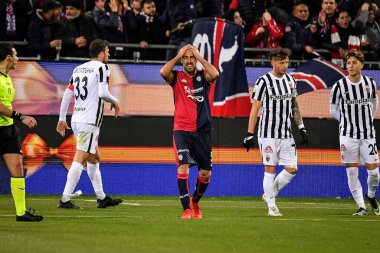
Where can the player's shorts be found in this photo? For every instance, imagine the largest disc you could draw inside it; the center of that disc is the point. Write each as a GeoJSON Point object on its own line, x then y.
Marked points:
{"type": "Point", "coordinates": [10, 142]}
{"type": "Point", "coordinates": [356, 151]}
{"type": "Point", "coordinates": [193, 148]}
{"type": "Point", "coordinates": [278, 151]}
{"type": "Point", "coordinates": [87, 136]}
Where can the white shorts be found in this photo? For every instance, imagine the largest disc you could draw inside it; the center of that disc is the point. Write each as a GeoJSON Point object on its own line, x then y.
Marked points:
{"type": "Point", "coordinates": [356, 151]}
{"type": "Point", "coordinates": [278, 151]}
{"type": "Point", "coordinates": [87, 136]}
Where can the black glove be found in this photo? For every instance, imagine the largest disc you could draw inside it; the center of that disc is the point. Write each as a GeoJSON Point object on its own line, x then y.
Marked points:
{"type": "Point", "coordinates": [248, 141]}
{"type": "Point", "coordinates": [304, 136]}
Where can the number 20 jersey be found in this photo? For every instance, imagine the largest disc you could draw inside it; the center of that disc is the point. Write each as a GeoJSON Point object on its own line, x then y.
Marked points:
{"type": "Point", "coordinates": [85, 81]}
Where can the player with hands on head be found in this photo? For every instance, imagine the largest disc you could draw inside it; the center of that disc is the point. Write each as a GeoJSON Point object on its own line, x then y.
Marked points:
{"type": "Point", "coordinates": [192, 124]}
{"type": "Point", "coordinates": [275, 93]}
{"type": "Point", "coordinates": [89, 85]}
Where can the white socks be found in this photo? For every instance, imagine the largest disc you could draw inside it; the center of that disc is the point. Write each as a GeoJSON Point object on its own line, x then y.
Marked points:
{"type": "Point", "coordinates": [268, 186]}
{"type": "Point", "coordinates": [355, 186]}
{"type": "Point", "coordinates": [373, 182]}
{"type": "Point", "coordinates": [73, 177]}
{"type": "Point", "coordinates": [95, 176]}
{"type": "Point", "coordinates": [282, 179]}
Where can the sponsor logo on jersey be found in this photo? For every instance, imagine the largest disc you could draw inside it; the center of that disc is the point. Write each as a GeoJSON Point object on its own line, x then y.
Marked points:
{"type": "Point", "coordinates": [362, 101]}
{"type": "Point", "coordinates": [268, 150]}
{"type": "Point", "coordinates": [190, 94]}
{"type": "Point", "coordinates": [342, 148]}
{"type": "Point", "coordinates": [183, 81]}
{"type": "Point", "coordinates": [79, 109]}
{"type": "Point", "coordinates": [281, 97]}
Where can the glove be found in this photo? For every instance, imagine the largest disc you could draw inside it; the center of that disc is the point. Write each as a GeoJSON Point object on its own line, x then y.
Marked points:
{"type": "Point", "coordinates": [248, 141]}
{"type": "Point", "coordinates": [304, 136]}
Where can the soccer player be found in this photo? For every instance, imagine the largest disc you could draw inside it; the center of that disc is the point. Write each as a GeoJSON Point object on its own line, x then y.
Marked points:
{"type": "Point", "coordinates": [275, 92]}
{"type": "Point", "coordinates": [89, 85]}
{"type": "Point", "coordinates": [192, 124]}
{"type": "Point", "coordinates": [10, 143]}
{"type": "Point", "coordinates": [353, 102]}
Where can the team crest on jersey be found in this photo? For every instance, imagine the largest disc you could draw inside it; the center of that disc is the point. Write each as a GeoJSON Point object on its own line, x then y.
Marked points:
{"type": "Point", "coordinates": [268, 150]}
{"type": "Point", "coordinates": [368, 89]}
{"type": "Point", "coordinates": [183, 81]}
{"type": "Point", "coordinates": [198, 78]}
{"type": "Point", "coordinates": [267, 158]}
{"type": "Point", "coordinates": [290, 85]}
{"type": "Point", "coordinates": [180, 157]}
{"type": "Point", "coordinates": [342, 147]}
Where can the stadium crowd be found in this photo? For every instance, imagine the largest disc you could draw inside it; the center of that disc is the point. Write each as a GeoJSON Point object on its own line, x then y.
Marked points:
{"type": "Point", "coordinates": [68, 26]}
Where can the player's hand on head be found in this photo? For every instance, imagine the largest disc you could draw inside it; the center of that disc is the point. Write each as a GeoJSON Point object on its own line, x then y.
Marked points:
{"type": "Point", "coordinates": [248, 141]}
{"type": "Point", "coordinates": [117, 109]}
{"type": "Point", "coordinates": [29, 121]}
{"type": "Point", "coordinates": [304, 136]}
{"type": "Point", "coordinates": [195, 51]}
{"type": "Point", "coordinates": [183, 50]}
{"type": "Point", "coordinates": [61, 127]}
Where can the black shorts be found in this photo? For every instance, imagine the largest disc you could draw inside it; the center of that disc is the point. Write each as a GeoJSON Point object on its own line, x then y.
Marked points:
{"type": "Point", "coordinates": [10, 142]}
{"type": "Point", "coordinates": [193, 148]}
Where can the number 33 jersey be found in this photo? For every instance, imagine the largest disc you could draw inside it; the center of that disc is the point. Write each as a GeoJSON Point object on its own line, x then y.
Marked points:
{"type": "Point", "coordinates": [85, 82]}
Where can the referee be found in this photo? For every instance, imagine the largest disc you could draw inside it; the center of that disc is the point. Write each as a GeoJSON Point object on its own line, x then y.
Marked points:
{"type": "Point", "coordinates": [10, 143]}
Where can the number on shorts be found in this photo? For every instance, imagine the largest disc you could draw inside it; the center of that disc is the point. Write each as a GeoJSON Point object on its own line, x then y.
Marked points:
{"type": "Point", "coordinates": [84, 88]}
{"type": "Point", "coordinates": [373, 148]}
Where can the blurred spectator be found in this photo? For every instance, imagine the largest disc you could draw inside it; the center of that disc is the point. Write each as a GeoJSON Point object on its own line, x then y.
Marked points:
{"type": "Point", "coordinates": [324, 22]}
{"type": "Point", "coordinates": [112, 26]}
{"type": "Point", "coordinates": [46, 30]}
{"type": "Point", "coordinates": [370, 31]}
{"type": "Point", "coordinates": [98, 8]}
{"type": "Point", "coordinates": [132, 23]}
{"type": "Point", "coordinates": [351, 6]}
{"type": "Point", "coordinates": [251, 11]}
{"type": "Point", "coordinates": [79, 31]}
{"type": "Point", "coordinates": [150, 31]}
{"type": "Point", "coordinates": [343, 37]}
{"type": "Point", "coordinates": [178, 19]}
{"type": "Point", "coordinates": [234, 16]}
{"type": "Point", "coordinates": [299, 35]}
{"type": "Point", "coordinates": [14, 19]}
{"type": "Point", "coordinates": [209, 8]}
{"type": "Point", "coordinates": [266, 34]}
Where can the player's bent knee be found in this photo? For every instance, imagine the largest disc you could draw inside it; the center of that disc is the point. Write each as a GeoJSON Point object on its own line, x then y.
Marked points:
{"type": "Point", "coordinates": [205, 175]}
{"type": "Point", "coordinates": [292, 169]}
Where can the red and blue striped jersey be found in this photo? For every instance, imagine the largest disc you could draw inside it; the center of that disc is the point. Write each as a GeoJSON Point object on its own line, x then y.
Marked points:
{"type": "Point", "coordinates": [191, 102]}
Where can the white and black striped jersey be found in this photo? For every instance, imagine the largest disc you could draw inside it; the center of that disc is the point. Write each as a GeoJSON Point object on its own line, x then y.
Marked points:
{"type": "Point", "coordinates": [356, 106]}
{"type": "Point", "coordinates": [276, 95]}
{"type": "Point", "coordinates": [84, 82]}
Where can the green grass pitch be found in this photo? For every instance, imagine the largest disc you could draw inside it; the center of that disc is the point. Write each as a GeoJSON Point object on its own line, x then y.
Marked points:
{"type": "Point", "coordinates": [152, 224]}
